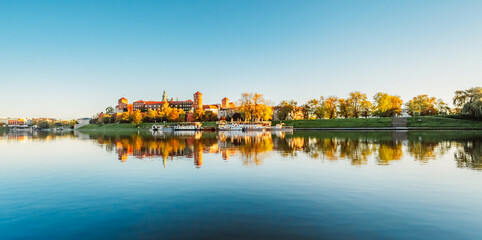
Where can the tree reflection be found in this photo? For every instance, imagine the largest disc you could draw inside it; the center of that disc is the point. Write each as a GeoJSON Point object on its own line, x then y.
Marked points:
{"type": "Point", "coordinates": [389, 151]}
{"type": "Point", "coordinates": [253, 148]}
{"type": "Point", "coordinates": [469, 155]}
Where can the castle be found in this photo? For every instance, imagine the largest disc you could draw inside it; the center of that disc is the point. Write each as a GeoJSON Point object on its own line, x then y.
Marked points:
{"type": "Point", "coordinates": [220, 110]}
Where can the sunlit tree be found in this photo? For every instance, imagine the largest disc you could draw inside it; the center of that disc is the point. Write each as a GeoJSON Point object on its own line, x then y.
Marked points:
{"type": "Point", "coordinates": [254, 107]}
{"type": "Point", "coordinates": [355, 103]}
{"type": "Point", "coordinates": [136, 117]}
{"type": "Point", "coordinates": [330, 106]}
{"type": "Point", "coordinates": [422, 105]}
{"type": "Point", "coordinates": [386, 105]}
{"type": "Point", "coordinates": [343, 108]}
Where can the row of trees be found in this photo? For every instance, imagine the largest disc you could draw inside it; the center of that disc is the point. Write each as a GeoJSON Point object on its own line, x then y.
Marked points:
{"type": "Point", "coordinates": [355, 105]}
{"type": "Point", "coordinates": [44, 124]}
{"type": "Point", "coordinates": [383, 105]}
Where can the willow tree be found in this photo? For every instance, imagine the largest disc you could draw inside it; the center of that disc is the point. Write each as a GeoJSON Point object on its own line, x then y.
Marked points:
{"type": "Point", "coordinates": [470, 100]}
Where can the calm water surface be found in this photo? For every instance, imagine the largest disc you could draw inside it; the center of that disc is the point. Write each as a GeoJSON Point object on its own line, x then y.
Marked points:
{"type": "Point", "coordinates": [303, 185]}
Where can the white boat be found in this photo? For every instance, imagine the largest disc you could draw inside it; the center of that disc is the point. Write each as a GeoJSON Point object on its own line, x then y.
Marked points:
{"type": "Point", "coordinates": [230, 127]}
{"type": "Point", "coordinates": [242, 126]}
{"type": "Point", "coordinates": [194, 126]}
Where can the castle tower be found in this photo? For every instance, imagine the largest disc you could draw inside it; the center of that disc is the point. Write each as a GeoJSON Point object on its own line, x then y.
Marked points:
{"type": "Point", "coordinates": [225, 103]}
{"type": "Point", "coordinates": [122, 100]}
{"type": "Point", "coordinates": [121, 105]}
{"type": "Point", "coordinates": [198, 100]}
{"type": "Point", "coordinates": [164, 96]}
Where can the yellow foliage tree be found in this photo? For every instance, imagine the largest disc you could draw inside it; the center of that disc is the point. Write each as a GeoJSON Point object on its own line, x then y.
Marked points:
{"type": "Point", "coordinates": [387, 105]}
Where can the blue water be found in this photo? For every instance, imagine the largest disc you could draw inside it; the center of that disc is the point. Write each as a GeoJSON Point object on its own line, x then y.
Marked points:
{"type": "Point", "coordinates": [305, 185]}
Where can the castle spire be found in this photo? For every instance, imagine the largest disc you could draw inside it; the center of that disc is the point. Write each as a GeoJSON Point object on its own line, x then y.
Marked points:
{"type": "Point", "coordinates": [164, 96]}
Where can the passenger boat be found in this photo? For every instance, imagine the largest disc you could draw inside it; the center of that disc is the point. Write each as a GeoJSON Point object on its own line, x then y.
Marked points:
{"type": "Point", "coordinates": [230, 127]}
{"type": "Point", "coordinates": [188, 126]}
{"type": "Point", "coordinates": [242, 126]}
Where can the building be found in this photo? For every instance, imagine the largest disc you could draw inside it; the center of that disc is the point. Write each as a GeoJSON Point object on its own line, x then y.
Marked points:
{"type": "Point", "coordinates": [227, 109]}
{"type": "Point", "coordinates": [16, 122]}
{"type": "Point", "coordinates": [198, 100]}
{"type": "Point", "coordinates": [186, 105]}
{"type": "Point", "coordinates": [123, 106]}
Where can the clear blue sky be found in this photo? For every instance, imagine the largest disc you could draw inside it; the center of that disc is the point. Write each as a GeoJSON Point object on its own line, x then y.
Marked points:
{"type": "Point", "coordinates": [70, 59]}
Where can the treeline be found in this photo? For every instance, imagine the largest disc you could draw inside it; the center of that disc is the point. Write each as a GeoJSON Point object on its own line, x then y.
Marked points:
{"type": "Point", "coordinates": [44, 124]}
{"type": "Point", "coordinates": [467, 102]}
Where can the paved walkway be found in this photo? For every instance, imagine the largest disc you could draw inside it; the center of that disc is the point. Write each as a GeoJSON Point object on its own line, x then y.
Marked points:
{"type": "Point", "coordinates": [399, 122]}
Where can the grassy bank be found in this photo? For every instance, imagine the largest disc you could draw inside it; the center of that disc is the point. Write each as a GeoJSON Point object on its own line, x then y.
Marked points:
{"type": "Point", "coordinates": [129, 127]}
{"type": "Point", "coordinates": [443, 122]}
{"type": "Point", "coordinates": [339, 123]}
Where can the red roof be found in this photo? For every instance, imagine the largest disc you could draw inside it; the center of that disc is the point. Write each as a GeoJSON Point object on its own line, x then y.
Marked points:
{"type": "Point", "coordinates": [210, 107]}
{"type": "Point", "coordinates": [170, 102]}
{"type": "Point", "coordinates": [123, 98]}
{"type": "Point", "coordinates": [198, 93]}
{"type": "Point", "coordinates": [154, 102]}
{"type": "Point", "coordinates": [140, 101]}
{"type": "Point", "coordinates": [225, 98]}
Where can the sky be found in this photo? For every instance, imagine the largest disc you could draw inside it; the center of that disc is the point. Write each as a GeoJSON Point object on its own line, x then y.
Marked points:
{"type": "Point", "coordinates": [72, 59]}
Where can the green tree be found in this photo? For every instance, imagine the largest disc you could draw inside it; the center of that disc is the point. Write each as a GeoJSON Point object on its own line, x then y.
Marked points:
{"type": "Point", "coordinates": [109, 110]}
{"type": "Point", "coordinates": [44, 124]}
{"type": "Point", "coordinates": [344, 109]}
{"type": "Point", "coordinates": [470, 100]}
{"type": "Point", "coordinates": [313, 109]}
{"type": "Point", "coordinates": [285, 108]}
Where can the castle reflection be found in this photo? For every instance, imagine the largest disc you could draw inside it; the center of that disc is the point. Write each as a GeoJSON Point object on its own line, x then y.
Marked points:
{"type": "Point", "coordinates": [253, 148]}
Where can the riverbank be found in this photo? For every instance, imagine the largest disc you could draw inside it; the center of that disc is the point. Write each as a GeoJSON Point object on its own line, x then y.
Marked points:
{"type": "Point", "coordinates": [339, 123]}
{"type": "Point", "coordinates": [412, 123]}
{"type": "Point", "coordinates": [129, 127]}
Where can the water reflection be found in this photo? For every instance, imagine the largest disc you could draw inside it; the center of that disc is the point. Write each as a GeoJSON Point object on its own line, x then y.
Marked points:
{"type": "Point", "coordinates": [253, 148]}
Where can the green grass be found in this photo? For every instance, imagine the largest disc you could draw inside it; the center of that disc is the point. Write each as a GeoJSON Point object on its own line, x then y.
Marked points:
{"type": "Point", "coordinates": [443, 122]}
{"type": "Point", "coordinates": [130, 127]}
{"type": "Point", "coordinates": [339, 123]}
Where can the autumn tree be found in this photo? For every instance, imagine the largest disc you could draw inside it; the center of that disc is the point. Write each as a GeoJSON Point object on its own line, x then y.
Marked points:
{"type": "Point", "coordinates": [355, 103]}
{"type": "Point", "coordinates": [254, 107]}
{"type": "Point", "coordinates": [422, 105]}
{"type": "Point", "coordinates": [313, 109]}
{"type": "Point", "coordinates": [150, 116]}
{"type": "Point", "coordinates": [366, 108]}
{"type": "Point", "coordinates": [344, 108]}
{"type": "Point", "coordinates": [330, 107]}
{"type": "Point", "coordinates": [386, 105]}
{"type": "Point", "coordinates": [124, 118]}
{"type": "Point", "coordinates": [198, 114]}
{"type": "Point", "coordinates": [136, 117]}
